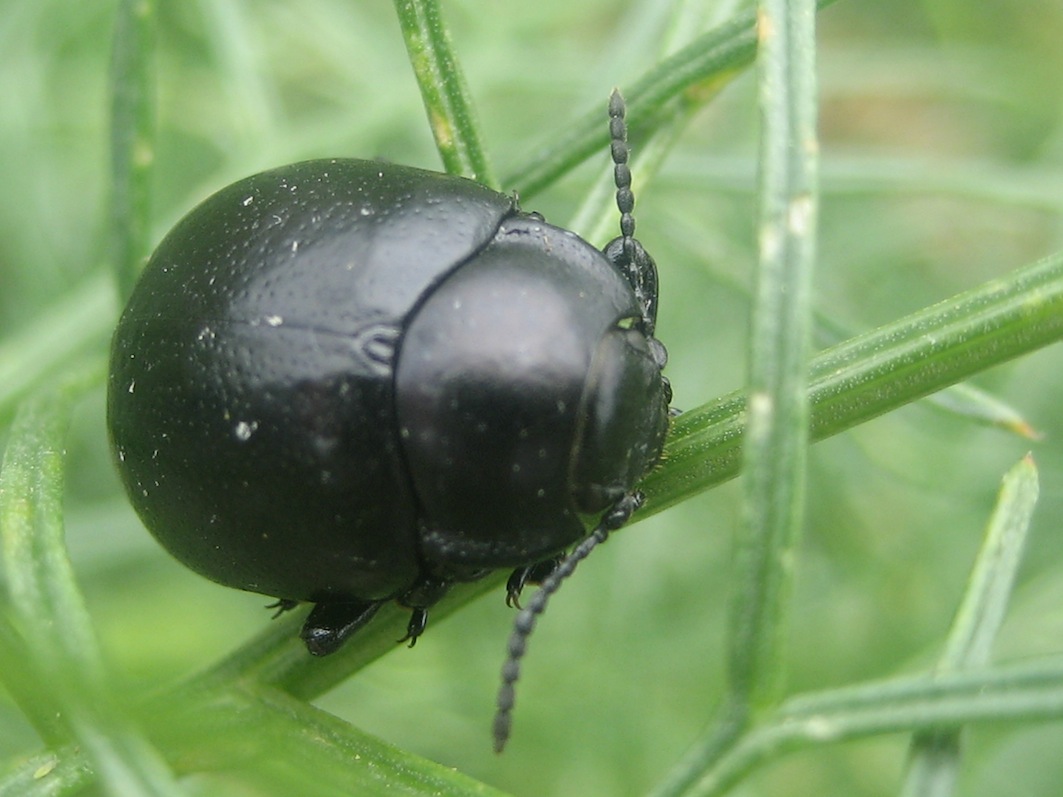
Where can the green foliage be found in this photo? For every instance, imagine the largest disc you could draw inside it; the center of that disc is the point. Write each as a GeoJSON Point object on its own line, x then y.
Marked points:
{"type": "Point", "coordinates": [844, 593]}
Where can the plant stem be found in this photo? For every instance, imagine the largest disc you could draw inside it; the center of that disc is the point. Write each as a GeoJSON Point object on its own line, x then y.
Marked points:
{"type": "Point", "coordinates": [877, 372]}
{"type": "Point", "coordinates": [132, 138]}
{"type": "Point", "coordinates": [777, 415]}
{"type": "Point", "coordinates": [446, 97]}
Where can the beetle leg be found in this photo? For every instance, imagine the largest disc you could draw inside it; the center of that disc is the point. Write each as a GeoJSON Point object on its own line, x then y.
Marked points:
{"type": "Point", "coordinates": [531, 574]}
{"type": "Point", "coordinates": [426, 592]}
{"type": "Point", "coordinates": [329, 625]}
{"type": "Point", "coordinates": [416, 626]}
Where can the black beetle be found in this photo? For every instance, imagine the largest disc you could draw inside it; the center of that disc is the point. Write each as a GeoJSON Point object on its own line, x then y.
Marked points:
{"type": "Point", "coordinates": [348, 382]}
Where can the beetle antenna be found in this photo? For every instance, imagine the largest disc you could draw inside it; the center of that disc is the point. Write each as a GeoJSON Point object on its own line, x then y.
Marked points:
{"type": "Point", "coordinates": [625, 252]}
{"type": "Point", "coordinates": [625, 197]}
{"type": "Point", "coordinates": [523, 626]}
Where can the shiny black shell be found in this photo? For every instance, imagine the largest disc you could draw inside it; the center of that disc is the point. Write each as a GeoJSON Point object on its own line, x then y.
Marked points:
{"type": "Point", "coordinates": [340, 379]}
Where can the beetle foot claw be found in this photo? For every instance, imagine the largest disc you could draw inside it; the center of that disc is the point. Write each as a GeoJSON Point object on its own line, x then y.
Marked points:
{"type": "Point", "coordinates": [515, 585]}
{"type": "Point", "coordinates": [414, 629]}
{"type": "Point", "coordinates": [532, 574]}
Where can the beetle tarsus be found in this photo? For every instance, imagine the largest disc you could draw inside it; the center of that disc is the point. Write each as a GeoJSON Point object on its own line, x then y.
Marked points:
{"type": "Point", "coordinates": [416, 626]}
{"type": "Point", "coordinates": [531, 574]}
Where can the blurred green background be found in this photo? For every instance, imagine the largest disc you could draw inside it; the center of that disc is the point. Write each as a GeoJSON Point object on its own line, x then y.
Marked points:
{"type": "Point", "coordinates": [942, 155]}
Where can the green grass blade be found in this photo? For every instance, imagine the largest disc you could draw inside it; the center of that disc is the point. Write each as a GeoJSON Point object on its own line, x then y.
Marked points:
{"type": "Point", "coordinates": [26, 687]}
{"type": "Point", "coordinates": [40, 580]}
{"type": "Point", "coordinates": [962, 400]}
{"type": "Point", "coordinates": [1030, 693]}
{"type": "Point", "coordinates": [960, 690]}
{"type": "Point", "coordinates": [442, 84]}
{"type": "Point", "coordinates": [132, 138]}
{"type": "Point", "coordinates": [993, 577]}
{"type": "Point", "coordinates": [777, 414]}
{"type": "Point", "coordinates": [595, 219]}
{"type": "Point", "coordinates": [879, 371]}
{"type": "Point", "coordinates": [935, 756]}
{"type": "Point", "coordinates": [973, 404]}
{"type": "Point", "coordinates": [352, 759]}
{"type": "Point", "coordinates": [48, 604]}
{"type": "Point", "coordinates": [775, 447]}
{"type": "Point", "coordinates": [207, 731]}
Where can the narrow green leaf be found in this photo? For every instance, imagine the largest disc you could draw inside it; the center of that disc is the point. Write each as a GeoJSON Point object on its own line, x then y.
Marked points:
{"type": "Point", "coordinates": [47, 603]}
{"type": "Point", "coordinates": [876, 372]}
{"type": "Point", "coordinates": [206, 730]}
{"type": "Point", "coordinates": [933, 763]}
{"type": "Point", "coordinates": [28, 689]}
{"type": "Point", "coordinates": [775, 446]}
{"type": "Point", "coordinates": [962, 400]}
{"type": "Point", "coordinates": [1029, 692]}
{"type": "Point", "coordinates": [352, 759]}
{"type": "Point", "coordinates": [40, 580]}
{"type": "Point", "coordinates": [132, 137]}
{"type": "Point", "coordinates": [442, 84]}
{"type": "Point", "coordinates": [993, 577]}
{"type": "Point", "coordinates": [972, 403]}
